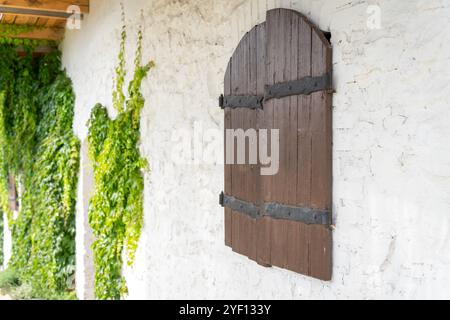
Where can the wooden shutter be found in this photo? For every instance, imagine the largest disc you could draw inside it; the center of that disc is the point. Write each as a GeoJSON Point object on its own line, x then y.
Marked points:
{"type": "Point", "coordinates": [279, 77]}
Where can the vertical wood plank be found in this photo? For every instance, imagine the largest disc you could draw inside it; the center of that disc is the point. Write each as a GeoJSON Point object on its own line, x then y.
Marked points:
{"type": "Point", "coordinates": [235, 177]}
{"type": "Point", "coordinates": [243, 235]}
{"type": "Point", "coordinates": [253, 169]}
{"type": "Point", "coordinates": [304, 115]}
{"type": "Point", "coordinates": [298, 235]}
{"type": "Point", "coordinates": [320, 253]}
{"type": "Point", "coordinates": [228, 167]}
{"type": "Point", "coordinates": [321, 129]}
{"type": "Point", "coordinates": [243, 122]}
{"type": "Point", "coordinates": [298, 254]}
{"type": "Point", "coordinates": [279, 239]}
{"type": "Point", "coordinates": [266, 224]}
{"type": "Point", "coordinates": [263, 226]}
{"type": "Point", "coordinates": [292, 74]}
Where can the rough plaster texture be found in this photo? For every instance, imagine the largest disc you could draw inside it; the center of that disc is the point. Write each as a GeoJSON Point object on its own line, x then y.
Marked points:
{"type": "Point", "coordinates": [7, 242]}
{"type": "Point", "coordinates": [84, 236]}
{"type": "Point", "coordinates": [391, 154]}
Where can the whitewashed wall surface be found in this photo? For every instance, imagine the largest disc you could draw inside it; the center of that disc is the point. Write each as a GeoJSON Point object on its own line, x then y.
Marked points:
{"type": "Point", "coordinates": [391, 147]}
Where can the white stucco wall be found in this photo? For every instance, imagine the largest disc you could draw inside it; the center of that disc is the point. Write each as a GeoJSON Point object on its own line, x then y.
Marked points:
{"type": "Point", "coordinates": [84, 235]}
{"type": "Point", "coordinates": [7, 242]}
{"type": "Point", "coordinates": [391, 153]}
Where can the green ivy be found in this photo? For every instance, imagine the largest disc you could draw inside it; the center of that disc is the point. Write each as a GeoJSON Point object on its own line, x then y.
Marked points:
{"type": "Point", "coordinates": [28, 42]}
{"type": "Point", "coordinates": [38, 148]}
{"type": "Point", "coordinates": [1, 238]}
{"type": "Point", "coordinates": [16, 29]}
{"type": "Point", "coordinates": [116, 208]}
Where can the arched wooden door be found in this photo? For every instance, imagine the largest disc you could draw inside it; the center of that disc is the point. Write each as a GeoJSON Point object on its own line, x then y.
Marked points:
{"type": "Point", "coordinates": [279, 77]}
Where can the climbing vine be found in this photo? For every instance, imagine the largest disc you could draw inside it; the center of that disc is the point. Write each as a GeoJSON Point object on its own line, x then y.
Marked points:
{"type": "Point", "coordinates": [39, 149]}
{"type": "Point", "coordinates": [28, 42]}
{"type": "Point", "coordinates": [16, 29]}
{"type": "Point", "coordinates": [1, 238]}
{"type": "Point", "coordinates": [116, 207]}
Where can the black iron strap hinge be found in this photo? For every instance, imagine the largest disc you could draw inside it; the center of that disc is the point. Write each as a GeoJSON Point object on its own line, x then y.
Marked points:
{"type": "Point", "coordinates": [308, 216]}
{"type": "Point", "coordinates": [233, 102]}
{"type": "Point", "coordinates": [304, 86]}
{"type": "Point", "coordinates": [240, 206]}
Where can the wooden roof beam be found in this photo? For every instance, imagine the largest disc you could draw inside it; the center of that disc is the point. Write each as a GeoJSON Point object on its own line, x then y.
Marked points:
{"type": "Point", "coordinates": [35, 13]}
{"type": "Point", "coordinates": [59, 6]}
{"type": "Point", "coordinates": [54, 34]}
